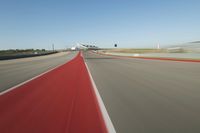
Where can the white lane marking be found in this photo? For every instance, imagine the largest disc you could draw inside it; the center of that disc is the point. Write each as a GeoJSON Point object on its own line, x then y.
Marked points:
{"type": "Point", "coordinates": [20, 84]}
{"type": "Point", "coordinates": [106, 117]}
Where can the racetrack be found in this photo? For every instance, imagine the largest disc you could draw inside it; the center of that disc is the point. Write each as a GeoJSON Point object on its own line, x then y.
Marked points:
{"type": "Point", "coordinates": [140, 95]}
{"type": "Point", "coordinates": [13, 72]}
{"type": "Point", "coordinates": [148, 96]}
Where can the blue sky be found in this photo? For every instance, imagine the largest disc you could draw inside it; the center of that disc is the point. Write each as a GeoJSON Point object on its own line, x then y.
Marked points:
{"type": "Point", "coordinates": [129, 23]}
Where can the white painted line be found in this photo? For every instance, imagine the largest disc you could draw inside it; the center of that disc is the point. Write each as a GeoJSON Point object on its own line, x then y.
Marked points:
{"type": "Point", "coordinates": [81, 54]}
{"type": "Point", "coordinates": [106, 117]}
{"type": "Point", "coordinates": [14, 87]}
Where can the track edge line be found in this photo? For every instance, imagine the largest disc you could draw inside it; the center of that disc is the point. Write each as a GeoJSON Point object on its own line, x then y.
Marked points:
{"type": "Point", "coordinates": [26, 81]}
{"type": "Point", "coordinates": [106, 118]}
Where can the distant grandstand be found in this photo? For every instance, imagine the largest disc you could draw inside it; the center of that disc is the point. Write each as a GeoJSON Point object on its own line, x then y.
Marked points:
{"type": "Point", "coordinates": [79, 46]}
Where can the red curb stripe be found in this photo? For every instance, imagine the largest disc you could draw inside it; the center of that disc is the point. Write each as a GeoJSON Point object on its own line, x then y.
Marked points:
{"type": "Point", "coordinates": [60, 101]}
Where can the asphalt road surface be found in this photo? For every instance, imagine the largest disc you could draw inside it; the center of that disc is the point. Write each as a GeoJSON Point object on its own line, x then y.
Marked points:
{"type": "Point", "coordinates": [13, 72]}
{"type": "Point", "coordinates": [148, 96]}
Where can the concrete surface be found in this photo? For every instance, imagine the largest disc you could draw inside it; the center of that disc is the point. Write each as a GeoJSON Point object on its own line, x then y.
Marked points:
{"type": "Point", "coordinates": [164, 55]}
{"type": "Point", "coordinates": [148, 96]}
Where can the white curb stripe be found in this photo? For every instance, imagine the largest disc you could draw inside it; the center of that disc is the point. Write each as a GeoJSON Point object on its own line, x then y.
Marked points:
{"type": "Point", "coordinates": [106, 117]}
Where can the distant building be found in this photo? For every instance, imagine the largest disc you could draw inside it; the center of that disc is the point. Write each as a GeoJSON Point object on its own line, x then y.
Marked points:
{"type": "Point", "coordinates": [84, 47]}
{"type": "Point", "coordinates": [73, 48]}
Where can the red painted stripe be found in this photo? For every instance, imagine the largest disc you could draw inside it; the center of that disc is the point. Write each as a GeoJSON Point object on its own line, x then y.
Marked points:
{"type": "Point", "coordinates": [60, 101]}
